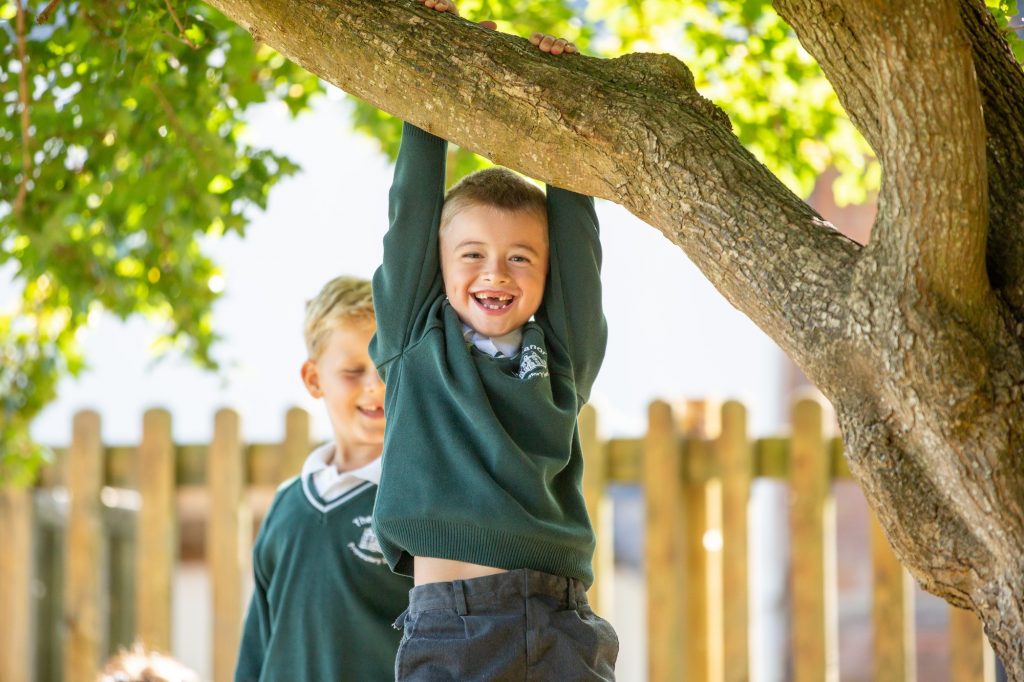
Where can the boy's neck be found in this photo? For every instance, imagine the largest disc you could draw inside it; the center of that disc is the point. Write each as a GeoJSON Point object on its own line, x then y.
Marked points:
{"type": "Point", "coordinates": [352, 458]}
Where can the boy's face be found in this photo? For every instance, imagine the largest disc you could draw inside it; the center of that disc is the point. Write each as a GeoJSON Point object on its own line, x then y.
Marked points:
{"type": "Point", "coordinates": [494, 263]}
{"type": "Point", "coordinates": [345, 377]}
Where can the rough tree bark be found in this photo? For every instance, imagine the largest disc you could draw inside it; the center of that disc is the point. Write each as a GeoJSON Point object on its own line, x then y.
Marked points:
{"type": "Point", "coordinates": [917, 338]}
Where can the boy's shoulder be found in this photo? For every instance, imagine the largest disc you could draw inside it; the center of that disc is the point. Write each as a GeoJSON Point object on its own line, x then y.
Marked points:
{"type": "Point", "coordinates": [287, 483]}
{"type": "Point", "coordinates": [283, 490]}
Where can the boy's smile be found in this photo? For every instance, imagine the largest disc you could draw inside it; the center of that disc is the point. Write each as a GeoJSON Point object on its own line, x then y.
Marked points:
{"type": "Point", "coordinates": [494, 263]}
{"type": "Point", "coordinates": [495, 301]}
{"type": "Point", "coordinates": [344, 376]}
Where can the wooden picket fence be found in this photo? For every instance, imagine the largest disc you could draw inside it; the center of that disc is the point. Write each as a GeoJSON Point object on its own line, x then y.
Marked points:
{"type": "Point", "coordinates": [101, 534]}
{"type": "Point", "coordinates": [696, 468]}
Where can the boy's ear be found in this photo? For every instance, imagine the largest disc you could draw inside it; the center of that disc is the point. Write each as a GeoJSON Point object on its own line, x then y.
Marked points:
{"type": "Point", "coordinates": [311, 379]}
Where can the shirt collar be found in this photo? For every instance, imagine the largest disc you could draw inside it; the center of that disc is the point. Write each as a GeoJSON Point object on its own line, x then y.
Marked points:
{"type": "Point", "coordinates": [507, 344]}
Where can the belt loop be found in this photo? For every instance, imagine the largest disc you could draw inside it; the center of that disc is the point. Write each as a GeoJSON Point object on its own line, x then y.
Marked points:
{"type": "Point", "coordinates": [571, 593]}
{"type": "Point", "coordinates": [459, 591]}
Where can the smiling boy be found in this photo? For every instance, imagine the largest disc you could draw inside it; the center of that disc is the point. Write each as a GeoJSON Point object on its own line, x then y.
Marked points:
{"type": "Point", "coordinates": [324, 599]}
{"type": "Point", "coordinates": [494, 251]}
{"type": "Point", "coordinates": [490, 334]}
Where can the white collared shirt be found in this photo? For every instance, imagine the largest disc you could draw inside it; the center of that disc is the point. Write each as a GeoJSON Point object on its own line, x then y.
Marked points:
{"type": "Point", "coordinates": [507, 344]}
{"type": "Point", "coordinates": [331, 483]}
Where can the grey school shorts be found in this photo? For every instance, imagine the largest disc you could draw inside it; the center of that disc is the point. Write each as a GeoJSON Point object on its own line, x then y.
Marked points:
{"type": "Point", "coordinates": [519, 625]}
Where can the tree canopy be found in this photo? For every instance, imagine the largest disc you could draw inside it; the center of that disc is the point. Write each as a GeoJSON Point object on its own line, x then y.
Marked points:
{"type": "Point", "coordinates": [122, 148]}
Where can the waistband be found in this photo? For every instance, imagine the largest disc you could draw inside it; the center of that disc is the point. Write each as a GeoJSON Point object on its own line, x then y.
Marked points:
{"type": "Point", "coordinates": [501, 590]}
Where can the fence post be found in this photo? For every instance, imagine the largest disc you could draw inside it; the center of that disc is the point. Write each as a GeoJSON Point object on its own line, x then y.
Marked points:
{"type": "Point", "coordinates": [296, 442]}
{"type": "Point", "coordinates": [227, 540]}
{"type": "Point", "coordinates": [15, 583]}
{"type": "Point", "coordinates": [156, 532]}
{"type": "Point", "coordinates": [665, 560]}
{"type": "Point", "coordinates": [812, 524]}
{"type": "Point", "coordinates": [735, 458]}
{"type": "Point", "coordinates": [50, 554]}
{"type": "Point", "coordinates": [599, 507]}
{"type": "Point", "coordinates": [702, 612]}
{"type": "Point", "coordinates": [82, 594]}
{"type": "Point", "coordinates": [970, 656]}
{"type": "Point", "coordinates": [895, 657]}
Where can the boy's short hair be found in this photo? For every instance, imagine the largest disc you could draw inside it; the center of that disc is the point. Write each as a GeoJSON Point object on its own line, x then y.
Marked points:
{"type": "Point", "coordinates": [497, 187]}
{"type": "Point", "coordinates": [140, 665]}
{"type": "Point", "coordinates": [343, 300]}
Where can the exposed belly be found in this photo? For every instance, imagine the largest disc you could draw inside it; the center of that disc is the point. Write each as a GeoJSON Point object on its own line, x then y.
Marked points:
{"type": "Point", "coordinates": [431, 570]}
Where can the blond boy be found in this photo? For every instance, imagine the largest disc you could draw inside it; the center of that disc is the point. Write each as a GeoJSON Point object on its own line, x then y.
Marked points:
{"type": "Point", "coordinates": [324, 598]}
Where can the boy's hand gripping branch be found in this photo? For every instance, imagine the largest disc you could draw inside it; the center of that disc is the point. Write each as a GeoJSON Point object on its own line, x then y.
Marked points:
{"type": "Point", "coordinates": [543, 41]}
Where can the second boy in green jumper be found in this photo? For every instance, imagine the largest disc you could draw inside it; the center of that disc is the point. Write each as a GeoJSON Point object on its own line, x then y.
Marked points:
{"type": "Point", "coordinates": [324, 599]}
{"type": "Point", "coordinates": [490, 334]}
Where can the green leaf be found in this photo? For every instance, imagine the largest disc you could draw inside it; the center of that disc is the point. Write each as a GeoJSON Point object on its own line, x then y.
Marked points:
{"type": "Point", "coordinates": [219, 184]}
{"type": "Point", "coordinates": [195, 34]}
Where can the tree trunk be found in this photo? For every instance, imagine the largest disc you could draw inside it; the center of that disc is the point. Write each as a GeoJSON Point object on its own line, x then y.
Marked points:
{"type": "Point", "coordinates": [917, 338]}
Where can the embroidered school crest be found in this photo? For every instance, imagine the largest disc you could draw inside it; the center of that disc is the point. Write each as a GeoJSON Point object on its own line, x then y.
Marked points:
{"type": "Point", "coordinates": [368, 548]}
{"type": "Point", "coordinates": [533, 363]}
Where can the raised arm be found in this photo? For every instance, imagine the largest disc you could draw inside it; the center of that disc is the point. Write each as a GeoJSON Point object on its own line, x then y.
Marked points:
{"type": "Point", "coordinates": [409, 277]}
{"type": "Point", "coordinates": [571, 313]}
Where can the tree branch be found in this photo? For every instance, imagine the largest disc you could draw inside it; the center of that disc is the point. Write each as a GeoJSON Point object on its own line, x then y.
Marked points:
{"type": "Point", "coordinates": [50, 8]}
{"type": "Point", "coordinates": [1002, 91]}
{"type": "Point", "coordinates": [839, 37]}
{"type": "Point", "coordinates": [172, 118]}
{"type": "Point", "coordinates": [181, 27]}
{"type": "Point", "coordinates": [831, 33]}
{"type": "Point", "coordinates": [923, 288]}
{"type": "Point", "coordinates": [23, 96]}
{"type": "Point", "coordinates": [633, 130]}
{"type": "Point", "coordinates": [931, 127]}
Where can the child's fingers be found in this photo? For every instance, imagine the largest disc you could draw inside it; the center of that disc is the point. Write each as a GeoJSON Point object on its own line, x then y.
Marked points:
{"type": "Point", "coordinates": [441, 5]}
{"type": "Point", "coordinates": [549, 43]}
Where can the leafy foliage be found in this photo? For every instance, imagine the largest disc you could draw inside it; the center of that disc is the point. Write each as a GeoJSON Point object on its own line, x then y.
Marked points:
{"type": "Point", "coordinates": [747, 60]}
{"type": "Point", "coordinates": [135, 153]}
{"type": "Point", "coordinates": [1004, 12]}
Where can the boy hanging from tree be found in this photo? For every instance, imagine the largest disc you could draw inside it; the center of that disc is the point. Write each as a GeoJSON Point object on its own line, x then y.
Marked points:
{"type": "Point", "coordinates": [490, 334]}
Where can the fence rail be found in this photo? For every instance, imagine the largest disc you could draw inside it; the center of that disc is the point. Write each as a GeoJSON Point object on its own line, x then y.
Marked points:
{"type": "Point", "coordinates": [101, 533]}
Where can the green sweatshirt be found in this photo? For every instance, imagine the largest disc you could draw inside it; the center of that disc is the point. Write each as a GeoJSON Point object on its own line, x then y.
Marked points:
{"type": "Point", "coordinates": [482, 459]}
{"type": "Point", "coordinates": [324, 600]}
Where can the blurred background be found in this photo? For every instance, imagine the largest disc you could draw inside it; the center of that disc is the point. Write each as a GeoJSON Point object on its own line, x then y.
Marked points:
{"type": "Point", "coordinates": [180, 192]}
